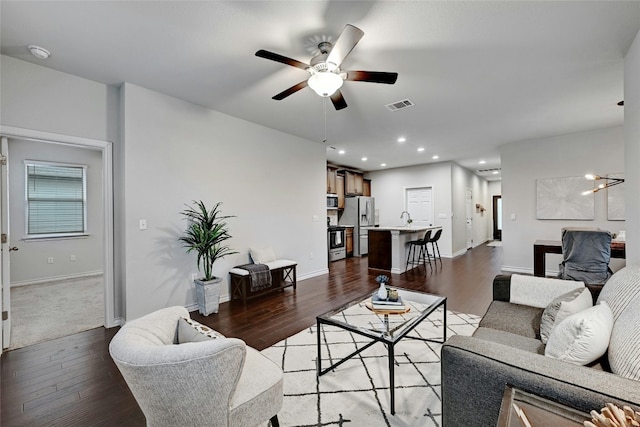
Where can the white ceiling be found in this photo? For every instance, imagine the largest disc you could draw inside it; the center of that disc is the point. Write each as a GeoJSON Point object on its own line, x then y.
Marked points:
{"type": "Point", "coordinates": [480, 74]}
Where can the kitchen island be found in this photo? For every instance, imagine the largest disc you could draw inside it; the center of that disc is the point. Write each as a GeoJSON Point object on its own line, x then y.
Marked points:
{"type": "Point", "coordinates": [388, 246]}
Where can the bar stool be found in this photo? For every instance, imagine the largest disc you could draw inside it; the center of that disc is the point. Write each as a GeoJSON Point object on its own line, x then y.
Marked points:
{"type": "Point", "coordinates": [434, 247]}
{"type": "Point", "coordinates": [423, 255]}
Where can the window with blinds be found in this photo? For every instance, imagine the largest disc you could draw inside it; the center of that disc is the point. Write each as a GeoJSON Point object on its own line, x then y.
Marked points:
{"type": "Point", "coordinates": [55, 199]}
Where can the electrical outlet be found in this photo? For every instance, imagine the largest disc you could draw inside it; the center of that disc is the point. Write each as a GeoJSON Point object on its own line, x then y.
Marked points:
{"type": "Point", "coordinates": [143, 224]}
{"type": "Point", "coordinates": [194, 276]}
{"type": "Point", "coordinates": [50, 260]}
{"type": "Point", "coordinates": [72, 258]}
{"type": "Point", "coordinates": [310, 255]}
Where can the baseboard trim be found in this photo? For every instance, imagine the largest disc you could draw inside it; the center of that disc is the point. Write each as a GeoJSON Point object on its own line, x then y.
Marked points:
{"type": "Point", "coordinates": [313, 274]}
{"type": "Point", "coordinates": [57, 278]}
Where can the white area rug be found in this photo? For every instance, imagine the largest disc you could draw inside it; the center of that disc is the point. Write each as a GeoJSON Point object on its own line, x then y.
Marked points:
{"type": "Point", "coordinates": [42, 312]}
{"type": "Point", "coordinates": [357, 392]}
{"type": "Point", "coordinates": [495, 243]}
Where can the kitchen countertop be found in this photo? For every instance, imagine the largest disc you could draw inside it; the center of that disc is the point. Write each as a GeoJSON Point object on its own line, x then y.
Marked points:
{"type": "Point", "coordinates": [402, 228]}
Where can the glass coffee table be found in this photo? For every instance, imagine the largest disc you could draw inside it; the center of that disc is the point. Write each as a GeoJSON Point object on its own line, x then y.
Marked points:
{"type": "Point", "coordinates": [359, 317]}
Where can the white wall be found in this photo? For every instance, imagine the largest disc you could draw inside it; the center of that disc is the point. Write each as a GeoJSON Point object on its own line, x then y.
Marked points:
{"type": "Point", "coordinates": [463, 179]}
{"type": "Point", "coordinates": [600, 151]}
{"type": "Point", "coordinates": [29, 263]}
{"type": "Point", "coordinates": [632, 148]}
{"type": "Point", "coordinates": [388, 187]}
{"type": "Point", "coordinates": [176, 152]}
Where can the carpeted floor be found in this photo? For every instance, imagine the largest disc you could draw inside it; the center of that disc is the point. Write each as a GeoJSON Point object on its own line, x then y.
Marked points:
{"type": "Point", "coordinates": [42, 312]}
{"type": "Point", "coordinates": [357, 392]}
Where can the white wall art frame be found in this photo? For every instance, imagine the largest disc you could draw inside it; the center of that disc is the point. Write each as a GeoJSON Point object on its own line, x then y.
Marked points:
{"type": "Point", "coordinates": [615, 200]}
{"type": "Point", "coordinates": [561, 198]}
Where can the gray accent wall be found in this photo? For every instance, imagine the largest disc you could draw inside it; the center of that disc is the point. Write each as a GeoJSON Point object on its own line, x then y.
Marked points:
{"type": "Point", "coordinates": [599, 151]}
{"type": "Point", "coordinates": [632, 148]}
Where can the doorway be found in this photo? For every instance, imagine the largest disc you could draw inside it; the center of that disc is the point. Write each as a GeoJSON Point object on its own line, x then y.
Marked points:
{"type": "Point", "coordinates": [419, 204]}
{"type": "Point", "coordinates": [497, 217]}
{"type": "Point", "coordinates": [105, 191]}
{"type": "Point", "coordinates": [469, 218]}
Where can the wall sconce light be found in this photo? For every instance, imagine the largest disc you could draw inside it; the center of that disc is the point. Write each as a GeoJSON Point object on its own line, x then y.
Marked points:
{"type": "Point", "coordinates": [608, 182]}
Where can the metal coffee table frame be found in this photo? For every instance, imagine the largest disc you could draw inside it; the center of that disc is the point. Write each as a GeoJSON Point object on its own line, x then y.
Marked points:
{"type": "Point", "coordinates": [388, 338]}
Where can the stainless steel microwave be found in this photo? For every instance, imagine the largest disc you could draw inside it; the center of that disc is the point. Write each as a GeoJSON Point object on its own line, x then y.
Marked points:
{"type": "Point", "coordinates": [332, 201]}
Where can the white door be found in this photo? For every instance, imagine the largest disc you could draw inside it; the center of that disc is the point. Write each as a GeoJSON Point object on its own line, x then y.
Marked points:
{"type": "Point", "coordinates": [4, 253]}
{"type": "Point", "coordinates": [469, 220]}
{"type": "Point", "coordinates": [420, 205]}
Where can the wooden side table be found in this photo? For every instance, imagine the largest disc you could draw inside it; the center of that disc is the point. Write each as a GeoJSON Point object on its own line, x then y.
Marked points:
{"type": "Point", "coordinates": [538, 411]}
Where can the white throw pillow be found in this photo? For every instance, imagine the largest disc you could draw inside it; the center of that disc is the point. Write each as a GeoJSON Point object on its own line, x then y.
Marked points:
{"type": "Point", "coordinates": [582, 337]}
{"type": "Point", "coordinates": [562, 307]}
{"type": "Point", "coordinates": [262, 256]}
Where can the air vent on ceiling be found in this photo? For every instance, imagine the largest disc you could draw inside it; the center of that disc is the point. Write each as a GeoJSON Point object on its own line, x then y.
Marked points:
{"type": "Point", "coordinates": [395, 106]}
{"type": "Point", "coordinates": [489, 171]}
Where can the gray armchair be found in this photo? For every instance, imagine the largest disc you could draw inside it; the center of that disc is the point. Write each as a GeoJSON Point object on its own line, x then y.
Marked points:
{"type": "Point", "coordinates": [218, 382]}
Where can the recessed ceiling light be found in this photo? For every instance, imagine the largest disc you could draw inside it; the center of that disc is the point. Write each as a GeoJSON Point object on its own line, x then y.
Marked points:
{"type": "Point", "coordinates": [39, 52]}
{"type": "Point", "coordinates": [383, 164]}
{"type": "Point", "coordinates": [341, 152]}
{"type": "Point", "coordinates": [364, 159]}
{"type": "Point", "coordinates": [436, 157]}
{"type": "Point", "coordinates": [482, 162]}
{"type": "Point", "coordinates": [402, 139]}
{"type": "Point", "coordinates": [421, 149]}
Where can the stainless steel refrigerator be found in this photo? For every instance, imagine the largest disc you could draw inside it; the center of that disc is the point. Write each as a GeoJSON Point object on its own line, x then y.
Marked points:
{"type": "Point", "coordinates": [359, 212]}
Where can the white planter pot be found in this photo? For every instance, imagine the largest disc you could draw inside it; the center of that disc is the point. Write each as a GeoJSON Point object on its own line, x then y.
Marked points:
{"type": "Point", "coordinates": [208, 295]}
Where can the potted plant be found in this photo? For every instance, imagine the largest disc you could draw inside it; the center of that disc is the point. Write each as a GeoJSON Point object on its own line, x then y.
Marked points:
{"type": "Point", "coordinates": [206, 234]}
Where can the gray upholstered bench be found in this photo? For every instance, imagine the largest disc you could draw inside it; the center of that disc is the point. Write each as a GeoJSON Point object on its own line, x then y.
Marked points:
{"type": "Point", "coordinates": [283, 275]}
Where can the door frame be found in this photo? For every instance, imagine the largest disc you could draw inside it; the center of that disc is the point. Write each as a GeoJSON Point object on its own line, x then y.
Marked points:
{"type": "Point", "coordinates": [106, 148]}
{"type": "Point", "coordinates": [497, 234]}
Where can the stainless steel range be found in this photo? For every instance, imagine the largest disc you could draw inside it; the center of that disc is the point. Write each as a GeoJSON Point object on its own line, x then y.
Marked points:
{"type": "Point", "coordinates": [336, 242]}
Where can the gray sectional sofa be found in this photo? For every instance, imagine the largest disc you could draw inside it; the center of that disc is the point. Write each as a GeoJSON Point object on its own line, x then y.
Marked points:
{"type": "Point", "coordinates": [507, 349]}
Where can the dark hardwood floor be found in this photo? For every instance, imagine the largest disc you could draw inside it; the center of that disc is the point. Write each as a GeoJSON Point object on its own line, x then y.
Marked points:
{"type": "Point", "coordinates": [72, 381]}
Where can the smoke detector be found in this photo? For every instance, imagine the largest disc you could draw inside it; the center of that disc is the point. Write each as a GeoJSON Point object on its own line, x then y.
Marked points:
{"type": "Point", "coordinates": [39, 52]}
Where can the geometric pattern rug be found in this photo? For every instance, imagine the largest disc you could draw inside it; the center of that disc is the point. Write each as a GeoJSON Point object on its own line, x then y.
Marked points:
{"type": "Point", "coordinates": [356, 393]}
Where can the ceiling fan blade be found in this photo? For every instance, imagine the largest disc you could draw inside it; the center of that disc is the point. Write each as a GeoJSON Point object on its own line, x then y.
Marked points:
{"type": "Point", "coordinates": [279, 58]}
{"type": "Point", "coordinates": [372, 76]}
{"type": "Point", "coordinates": [347, 40]}
{"type": "Point", "coordinates": [338, 100]}
{"type": "Point", "coordinates": [293, 89]}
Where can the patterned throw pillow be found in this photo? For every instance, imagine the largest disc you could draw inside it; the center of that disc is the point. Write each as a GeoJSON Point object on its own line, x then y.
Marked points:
{"type": "Point", "coordinates": [582, 337]}
{"type": "Point", "coordinates": [191, 331]}
{"type": "Point", "coordinates": [562, 307]}
{"type": "Point", "coordinates": [624, 347]}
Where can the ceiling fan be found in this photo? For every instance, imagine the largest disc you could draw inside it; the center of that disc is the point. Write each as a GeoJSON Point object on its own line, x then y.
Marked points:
{"type": "Point", "coordinates": [326, 77]}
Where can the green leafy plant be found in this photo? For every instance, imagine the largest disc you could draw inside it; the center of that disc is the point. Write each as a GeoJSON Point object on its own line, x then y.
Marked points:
{"type": "Point", "coordinates": [206, 234]}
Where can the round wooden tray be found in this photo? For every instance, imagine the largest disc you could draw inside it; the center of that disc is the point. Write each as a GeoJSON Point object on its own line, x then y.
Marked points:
{"type": "Point", "coordinates": [369, 305]}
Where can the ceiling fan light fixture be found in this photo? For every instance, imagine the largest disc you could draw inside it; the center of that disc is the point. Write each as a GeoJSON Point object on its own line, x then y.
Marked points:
{"type": "Point", "coordinates": [325, 83]}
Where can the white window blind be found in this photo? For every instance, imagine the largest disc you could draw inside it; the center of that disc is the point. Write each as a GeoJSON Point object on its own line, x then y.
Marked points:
{"type": "Point", "coordinates": [56, 199]}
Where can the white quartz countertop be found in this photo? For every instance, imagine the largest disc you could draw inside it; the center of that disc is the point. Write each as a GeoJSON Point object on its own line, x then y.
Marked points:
{"type": "Point", "coordinates": [402, 228]}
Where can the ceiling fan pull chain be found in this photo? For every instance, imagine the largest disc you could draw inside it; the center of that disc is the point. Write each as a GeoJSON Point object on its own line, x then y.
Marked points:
{"type": "Point", "coordinates": [324, 107]}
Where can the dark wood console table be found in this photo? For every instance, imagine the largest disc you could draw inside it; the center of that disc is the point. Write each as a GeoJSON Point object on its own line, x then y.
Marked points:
{"type": "Point", "coordinates": [543, 247]}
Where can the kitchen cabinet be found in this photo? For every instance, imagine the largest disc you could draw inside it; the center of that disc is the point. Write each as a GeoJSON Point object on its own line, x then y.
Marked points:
{"type": "Point", "coordinates": [353, 183]}
{"type": "Point", "coordinates": [366, 187]}
{"type": "Point", "coordinates": [331, 180]}
{"type": "Point", "coordinates": [348, 237]}
{"type": "Point", "coordinates": [340, 190]}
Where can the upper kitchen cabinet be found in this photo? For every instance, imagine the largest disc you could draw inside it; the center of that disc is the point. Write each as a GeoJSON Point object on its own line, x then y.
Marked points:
{"type": "Point", "coordinates": [353, 183]}
{"type": "Point", "coordinates": [340, 186]}
{"type": "Point", "coordinates": [332, 187]}
{"type": "Point", "coordinates": [366, 187]}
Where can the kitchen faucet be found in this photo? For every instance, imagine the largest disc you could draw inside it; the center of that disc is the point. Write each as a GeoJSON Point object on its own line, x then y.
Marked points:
{"type": "Point", "coordinates": [409, 220]}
